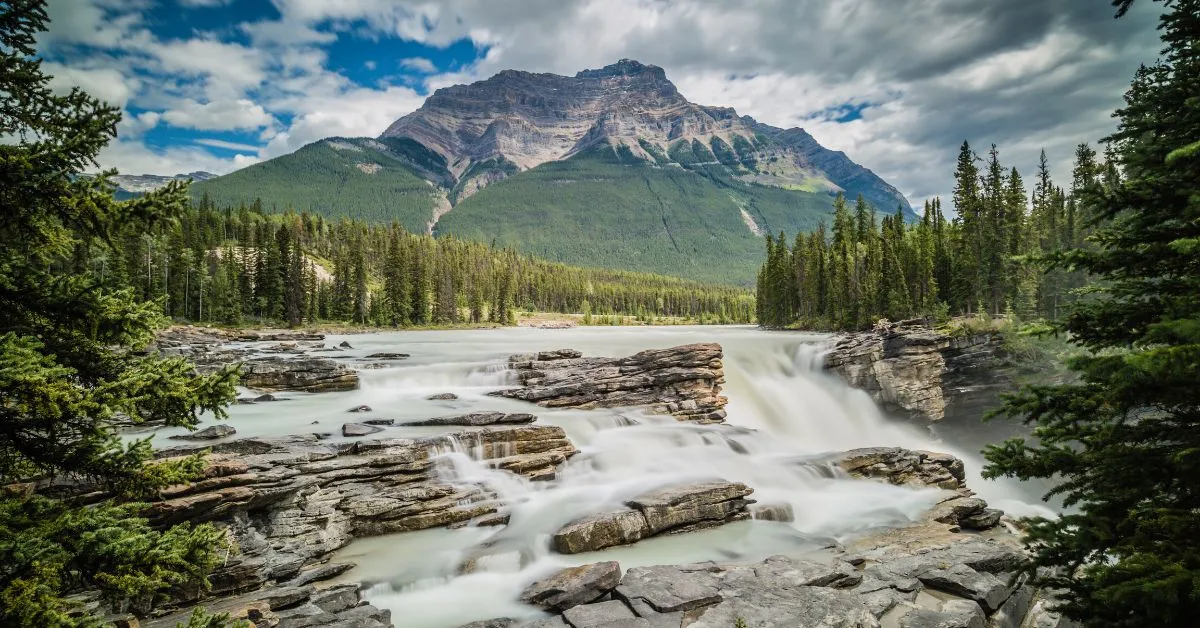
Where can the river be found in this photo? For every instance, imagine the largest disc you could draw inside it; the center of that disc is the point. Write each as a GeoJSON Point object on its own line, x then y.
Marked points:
{"type": "Point", "coordinates": [784, 411]}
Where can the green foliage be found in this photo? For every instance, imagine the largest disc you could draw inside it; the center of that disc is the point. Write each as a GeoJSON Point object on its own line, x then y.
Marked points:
{"type": "Point", "coordinates": [47, 546]}
{"type": "Point", "coordinates": [200, 618]}
{"type": "Point", "coordinates": [339, 177]}
{"type": "Point", "coordinates": [1121, 439]}
{"type": "Point", "coordinates": [987, 262]}
{"type": "Point", "coordinates": [217, 266]}
{"type": "Point", "coordinates": [71, 359]}
{"type": "Point", "coordinates": [666, 220]}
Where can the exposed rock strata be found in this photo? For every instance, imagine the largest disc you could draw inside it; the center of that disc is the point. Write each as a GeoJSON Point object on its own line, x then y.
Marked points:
{"type": "Point", "coordinates": [910, 368]}
{"type": "Point", "coordinates": [683, 381]}
{"type": "Point", "coordinates": [298, 373]}
{"type": "Point", "coordinates": [672, 509]}
{"type": "Point", "coordinates": [290, 501]}
{"type": "Point", "coordinates": [516, 120]}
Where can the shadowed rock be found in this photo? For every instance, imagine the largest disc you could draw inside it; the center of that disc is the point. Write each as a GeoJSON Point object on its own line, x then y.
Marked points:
{"type": "Point", "coordinates": [573, 586]}
{"type": "Point", "coordinates": [214, 432]}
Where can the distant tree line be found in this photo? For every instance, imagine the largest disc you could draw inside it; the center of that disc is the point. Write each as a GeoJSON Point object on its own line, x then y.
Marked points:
{"type": "Point", "coordinates": [983, 260]}
{"type": "Point", "coordinates": [240, 265]}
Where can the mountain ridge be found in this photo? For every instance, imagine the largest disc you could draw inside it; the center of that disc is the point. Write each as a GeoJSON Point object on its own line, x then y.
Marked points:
{"type": "Point", "coordinates": [612, 168]}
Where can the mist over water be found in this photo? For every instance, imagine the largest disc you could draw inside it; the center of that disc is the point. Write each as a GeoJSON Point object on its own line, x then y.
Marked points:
{"type": "Point", "coordinates": [785, 417]}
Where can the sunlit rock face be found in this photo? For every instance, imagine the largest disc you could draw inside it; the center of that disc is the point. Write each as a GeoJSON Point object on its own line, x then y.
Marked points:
{"type": "Point", "coordinates": [518, 120]}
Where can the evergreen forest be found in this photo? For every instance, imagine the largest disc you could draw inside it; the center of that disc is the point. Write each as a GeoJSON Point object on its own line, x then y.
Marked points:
{"type": "Point", "coordinates": [986, 259]}
{"type": "Point", "coordinates": [240, 265]}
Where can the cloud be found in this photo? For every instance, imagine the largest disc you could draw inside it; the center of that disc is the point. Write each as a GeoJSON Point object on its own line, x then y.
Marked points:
{"type": "Point", "coordinates": [351, 112]}
{"type": "Point", "coordinates": [1021, 74]}
{"type": "Point", "coordinates": [107, 84]}
{"type": "Point", "coordinates": [134, 126]}
{"type": "Point", "coordinates": [245, 148]}
{"type": "Point", "coordinates": [419, 64]}
{"type": "Point", "coordinates": [205, 3]}
{"type": "Point", "coordinates": [226, 115]}
{"type": "Point", "coordinates": [134, 157]}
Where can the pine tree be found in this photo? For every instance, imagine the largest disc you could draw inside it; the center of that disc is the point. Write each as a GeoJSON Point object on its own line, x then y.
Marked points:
{"type": "Point", "coordinates": [970, 272]}
{"type": "Point", "coordinates": [1121, 442]}
{"type": "Point", "coordinates": [71, 360]}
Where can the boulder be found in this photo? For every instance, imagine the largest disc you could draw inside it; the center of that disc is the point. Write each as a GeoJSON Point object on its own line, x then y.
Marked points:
{"type": "Point", "coordinates": [442, 397]}
{"type": "Point", "coordinates": [293, 606]}
{"type": "Point", "coordinates": [693, 505]}
{"type": "Point", "coordinates": [385, 355]}
{"type": "Point", "coordinates": [359, 429]}
{"type": "Point", "coordinates": [904, 466]}
{"type": "Point", "coordinates": [682, 381]}
{"type": "Point", "coordinates": [986, 589]}
{"type": "Point", "coordinates": [362, 408]}
{"type": "Point", "coordinates": [620, 527]}
{"type": "Point", "coordinates": [345, 344]}
{"type": "Point", "coordinates": [573, 586]}
{"type": "Point", "coordinates": [953, 614]}
{"type": "Point", "coordinates": [601, 614]}
{"type": "Point", "coordinates": [671, 509]}
{"type": "Point", "coordinates": [213, 432]}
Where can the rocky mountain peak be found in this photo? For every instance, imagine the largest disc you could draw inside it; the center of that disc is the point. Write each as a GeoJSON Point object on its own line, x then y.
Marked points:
{"type": "Point", "coordinates": [625, 68]}
{"type": "Point", "coordinates": [518, 120]}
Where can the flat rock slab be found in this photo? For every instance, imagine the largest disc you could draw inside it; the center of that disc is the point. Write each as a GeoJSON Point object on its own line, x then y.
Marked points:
{"type": "Point", "coordinates": [600, 614]}
{"type": "Point", "coordinates": [984, 588]}
{"type": "Point", "coordinates": [678, 508]}
{"type": "Point", "coordinates": [359, 429]}
{"type": "Point", "coordinates": [478, 418]}
{"type": "Point", "coordinates": [573, 586]}
{"type": "Point", "coordinates": [954, 614]}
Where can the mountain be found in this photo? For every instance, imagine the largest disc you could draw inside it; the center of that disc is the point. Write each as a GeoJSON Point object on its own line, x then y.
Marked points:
{"type": "Point", "coordinates": [611, 168]}
{"type": "Point", "coordinates": [131, 185]}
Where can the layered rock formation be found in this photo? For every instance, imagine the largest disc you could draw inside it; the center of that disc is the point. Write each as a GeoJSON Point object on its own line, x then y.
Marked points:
{"type": "Point", "coordinates": [910, 368]}
{"type": "Point", "coordinates": [288, 502]}
{"type": "Point", "coordinates": [263, 367]}
{"type": "Point", "coordinates": [683, 381]}
{"type": "Point", "coordinates": [668, 510]}
{"type": "Point", "coordinates": [298, 373]}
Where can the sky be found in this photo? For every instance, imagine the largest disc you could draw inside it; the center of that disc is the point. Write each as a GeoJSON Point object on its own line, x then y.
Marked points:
{"type": "Point", "coordinates": [217, 85]}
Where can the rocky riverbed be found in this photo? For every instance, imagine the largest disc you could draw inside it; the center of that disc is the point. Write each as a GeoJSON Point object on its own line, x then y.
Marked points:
{"type": "Point", "coordinates": [525, 491]}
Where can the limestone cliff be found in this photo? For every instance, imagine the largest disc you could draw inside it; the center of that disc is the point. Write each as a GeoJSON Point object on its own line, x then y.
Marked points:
{"type": "Point", "coordinates": [912, 369]}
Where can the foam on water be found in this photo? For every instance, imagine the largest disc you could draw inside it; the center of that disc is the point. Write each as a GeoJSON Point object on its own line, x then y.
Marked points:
{"type": "Point", "coordinates": [786, 415]}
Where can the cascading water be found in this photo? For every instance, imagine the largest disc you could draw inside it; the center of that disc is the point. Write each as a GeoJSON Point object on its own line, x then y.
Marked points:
{"type": "Point", "coordinates": [785, 416]}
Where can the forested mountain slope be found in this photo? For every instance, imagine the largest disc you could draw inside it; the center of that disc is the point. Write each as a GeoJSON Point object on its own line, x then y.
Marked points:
{"type": "Point", "coordinates": [611, 168]}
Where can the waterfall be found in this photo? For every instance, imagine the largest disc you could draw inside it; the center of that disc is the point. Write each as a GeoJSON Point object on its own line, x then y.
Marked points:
{"type": "Point", "coordinates": [786, 416]}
